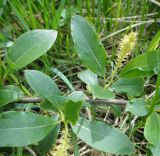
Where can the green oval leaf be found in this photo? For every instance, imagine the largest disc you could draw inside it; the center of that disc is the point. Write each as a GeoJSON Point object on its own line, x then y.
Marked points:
{"type": "Point", "coordinates": [153, 59]}
{"type": "Point", "coordinates": [23, 128]}
{"type": "Point", "coordinates": [137, 107]}
{"type": "Point", "coordinates": [71, 111]}
{"type": "Point", "coordinates": [9, 94]}
{"type": "Point", "coordinates": [134, 64]}
{"type": "Point", "coordinates": [44, 86]}
{"type": "Point", "coordinates": [30, 46]}
{"type": "Point", "coordinates": [131, 86]}
{"type": "Point", "coordinates": [88, 46]}
{"type": "Point", "coordinates": [152, 129]}
{"type": "Point", "coordinates": [100, 92]}
{"type": "Point", "coordinates": [73, 106]}
{"type": "Point", "coordinates": [155, 150]}
{"type": "Point", "coordinates": [142, 64]}
{"type": "Point", "coordinates": [102, 137]}
{"type": "Point", "coordinates": [77, 96]}
{"type": "Point", "coordinates": [88, 77]}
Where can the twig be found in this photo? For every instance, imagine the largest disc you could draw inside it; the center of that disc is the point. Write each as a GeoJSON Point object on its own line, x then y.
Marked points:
{"type": "Point", "coordinates": [108, 102]}
{"type": "Point", "coordinates": [137, 16]}
{"type": "Point", "coordinates": [96, 101]}
{"type": "Point", "coordinates": [30, 151]}
{"type": "Point", "coordinates": [129, 27]}
{"type": "Point", "coordinates": [155, 2]}
{"type": "Point", "coordinates": [30, 100]}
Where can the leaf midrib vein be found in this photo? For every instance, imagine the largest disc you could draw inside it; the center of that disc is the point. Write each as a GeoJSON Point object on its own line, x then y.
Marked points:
{"type": "Point", "coordinates": [24, 128]}
{"type": "Point", "coordinates": [91, 50]}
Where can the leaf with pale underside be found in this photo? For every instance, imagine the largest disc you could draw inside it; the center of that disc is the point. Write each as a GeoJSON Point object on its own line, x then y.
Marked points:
{"type": "Point", "coordinates": [88, 77]}
{"type": "Point", "coordinates": [30, 46]}
{"type": "Point", "coordinates": [18, 129]}
{"type": "Point", "coordinates": [10, 94]}
{"type": "Point", "coordinates": [102, 137]}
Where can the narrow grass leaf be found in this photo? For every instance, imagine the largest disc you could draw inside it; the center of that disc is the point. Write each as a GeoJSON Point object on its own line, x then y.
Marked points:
{"type": "Point", "coordinates": [154, 42]}
{"type": "Point", "coordinates": [74, 144]}
{"type": "Point", "coordinates": [63, 77]}
{"type": "Point", "coordinates": [19, 16]}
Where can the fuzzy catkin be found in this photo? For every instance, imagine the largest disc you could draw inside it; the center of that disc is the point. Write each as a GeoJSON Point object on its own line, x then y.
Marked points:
{"type": "Point", "coordinates": [61, 149]}
{"type": "Point", "coordinates": [126, 46]}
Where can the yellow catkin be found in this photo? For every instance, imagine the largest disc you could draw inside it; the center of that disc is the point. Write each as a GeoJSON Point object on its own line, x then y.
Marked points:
{"type": "Point", "coordinates": [61, 149]}
{"type": "Point", "coordinates": [126, 46]}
